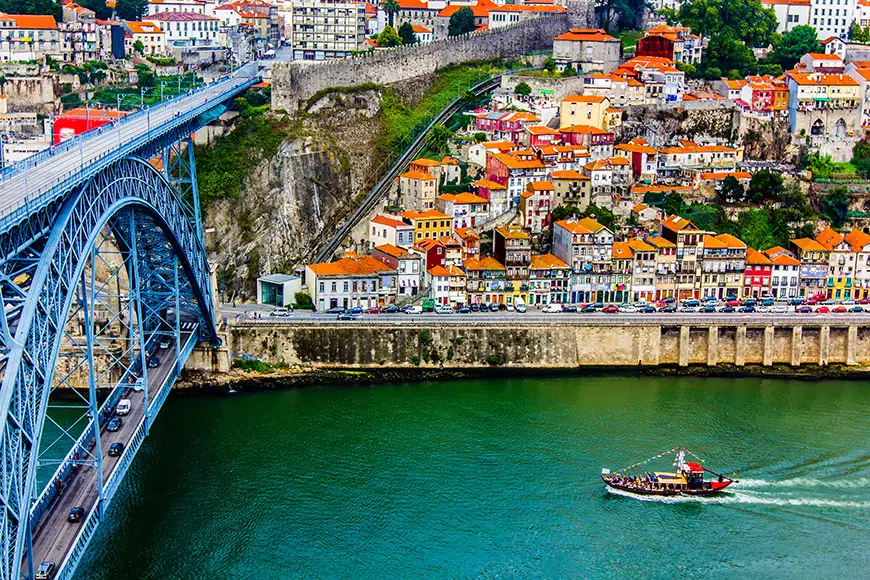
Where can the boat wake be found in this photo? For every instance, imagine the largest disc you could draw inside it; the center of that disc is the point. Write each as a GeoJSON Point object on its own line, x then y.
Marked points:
{"type": "Point", "coordinates": [806, 482]}
{"type": "Point", "coordinates": [748, 497]}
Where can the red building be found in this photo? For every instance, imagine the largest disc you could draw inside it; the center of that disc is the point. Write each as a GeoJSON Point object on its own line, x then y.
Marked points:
{"type": "Point", "coordinates": [655, 45]}
{"type": "Point", "coordinates": [77, 121]}
{"type": "Point", "coordinates": [756, 276]}
{"type": "Point", "coordinates": [432, 252]}
{"type": "Point", "coordinates": [586, 135]}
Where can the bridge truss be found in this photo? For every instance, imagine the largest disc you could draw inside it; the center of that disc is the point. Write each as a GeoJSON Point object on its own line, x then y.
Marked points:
{"type": "Point", "coordinates": [93, 285]}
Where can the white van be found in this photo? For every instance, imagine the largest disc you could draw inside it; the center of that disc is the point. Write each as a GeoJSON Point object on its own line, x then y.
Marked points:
{"type": "Point", "coordinates": [123, 408]}
{"type": "Point", "coordinates": [519, 305]}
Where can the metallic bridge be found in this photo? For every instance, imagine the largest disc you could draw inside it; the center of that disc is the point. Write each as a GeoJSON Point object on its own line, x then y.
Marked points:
{"type": "Point", "coordinates": [105, 289]}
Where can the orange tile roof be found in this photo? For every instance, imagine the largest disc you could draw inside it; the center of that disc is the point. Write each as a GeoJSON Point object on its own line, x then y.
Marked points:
{"type": "Point", "coordinates": [34, 21]}
{"type": "Point", "coordinates": [753, 256]}
{"type": "Point", "coordinates": [448, 272]}
{"type": "Point", "coordinates": [724, 174]}
{"type": "Point", "coordinates": [587, 35]}
{"type": "Point", "coordinates": [480, 10]}
{"type": "Point", "coordinates": [661, 188]}
{"type": "Point", "coordinates": [638, 245]}
{"type": "Point", "coordinates": [364, 266]}
{"type": "Point", "coordinates": [540, 185]}
{"type": "Point", "coordinates": [824, 56]}
{"type": "Point", "coordinates": [622, 251]}
{"type": "Point", "coordinates": [584, 226]}
{"type": "Point", "coordinates": [541, 130]}
{"type": "Point", "coordinates": [731, 241]}
{"type": "Point", "coordinates": [387, 221]}
{"type": "Point", "coordinates": [426, 162]}
{"type": "Point", "coordinates": [676, 223]}
{"type": "Point", "coordinates": [462, 198]}
{"type": "Point", "coordinates": [512, 233]}
{"type": "Point", "coordinates": [712, 242]}
{"type": "Point", "coordinates": [567, 174]}
{"type": "Point", "coordinates": [419, 29]}
{"type": "Point", "coordinates": [660, 242]}
{"type": "Point", "coordinates": [829, 238]}
{"type": "Point", "coordinates": [392, 250]}
{"type": "Point", "coordinates": [513, 163]}
{"type": "Point", "coordinates": [143, 28]}
{"type": "Point", "coordinates": [823, 79]}
{"type": "Point", "coordinates": [417, 175]}
{"type": "Point", "coordinates": [529, 8]}
{"type": "Point", "coordinates": [785, 260]}
{"type": "Point", "coordinates": [429, 213]}
{"type": "Point", "coordinates": [584, 130]}
{"type": "Point", "coordinates": [858, 240]}
{"type": "Point", "coordinates": [466, 234]}
{"type": "Point", "coordinates": [809, 244]}
{"type": "Point", "coordinates": [636, 148]}
{"type": "Point", "coordinates": [583, 99]}
{"type": "Point", "coordinates": [490, 264]}
{"type": "Point", "coordinates": [547, 262]}
{"type": "Point", "coordinates": [488, 184]}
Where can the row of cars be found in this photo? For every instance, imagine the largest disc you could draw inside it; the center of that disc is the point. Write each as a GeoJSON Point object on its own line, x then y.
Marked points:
{"type": "Point", "coordinates": [712, 305]}
{"type": "Point", "coordinates": [354, 313]}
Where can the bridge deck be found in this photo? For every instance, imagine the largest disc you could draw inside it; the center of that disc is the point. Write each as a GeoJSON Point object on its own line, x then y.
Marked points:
{"type": "Point", "coordinates": [22, 183]}
{"type": "Point", "coordinates": [54, 537]}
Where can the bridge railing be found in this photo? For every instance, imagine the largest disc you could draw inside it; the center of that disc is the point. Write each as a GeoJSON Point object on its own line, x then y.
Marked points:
{"type": "Point", "coordinates": [85, 168]}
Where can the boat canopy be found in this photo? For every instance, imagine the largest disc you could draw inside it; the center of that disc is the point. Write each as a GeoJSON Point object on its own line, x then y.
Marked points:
{"type": "Point", "coordinates": [674, 478]}
{"type": "Point", "coordinates": [694, 466]}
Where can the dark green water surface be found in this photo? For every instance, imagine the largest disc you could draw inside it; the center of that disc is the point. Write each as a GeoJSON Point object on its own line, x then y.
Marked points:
{"type": "Point", "coordinates": [495, 479]}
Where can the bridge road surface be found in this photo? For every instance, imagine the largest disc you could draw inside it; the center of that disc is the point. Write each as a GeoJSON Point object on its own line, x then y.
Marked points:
{"type": "Point", "coordinates": [54, 536]}
{"type": "Point", "coordinates": [96, 144]}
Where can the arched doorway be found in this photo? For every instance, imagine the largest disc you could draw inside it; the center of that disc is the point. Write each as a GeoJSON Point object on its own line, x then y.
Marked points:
{"type": "Point", "coordinates": [840, 128]}
{"type": "Point", "coordinates": [818, 127]}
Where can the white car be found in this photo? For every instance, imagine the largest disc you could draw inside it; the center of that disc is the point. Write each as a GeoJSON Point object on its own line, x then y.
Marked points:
{"type": "Point", "coordinates": [779, 309]}
{"type": "Point", "coordinates": [629, 308]}
{"type": "Point", "coordinates": [123, 408]}
{"type": "Point", "coordinates": [520, 307]}
{"type": "Point", "coordinates": [441, 309]}
{"type": "Point", "coordinates": [552, 308]}
{"type": "Point", "coordinates": [281, 312]}
{"type": "Point", "coordinates": [414, 310]}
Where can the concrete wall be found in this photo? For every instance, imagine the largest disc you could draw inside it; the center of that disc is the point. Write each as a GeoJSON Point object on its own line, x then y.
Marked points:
{"type": "Point", "coordinates": [541, 345]}
{"type": "Point", "coordinates": [294, 82]}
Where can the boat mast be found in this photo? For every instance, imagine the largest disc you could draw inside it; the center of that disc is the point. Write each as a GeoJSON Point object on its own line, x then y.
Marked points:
{"type": "Point", "coordinates": [680, 461]}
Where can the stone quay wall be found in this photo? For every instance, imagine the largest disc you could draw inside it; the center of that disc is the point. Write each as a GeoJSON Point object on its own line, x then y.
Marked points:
{"type": "Point", "coordinates": [295, 82]}
{"type": "Point", "coordinates": [542, 345]}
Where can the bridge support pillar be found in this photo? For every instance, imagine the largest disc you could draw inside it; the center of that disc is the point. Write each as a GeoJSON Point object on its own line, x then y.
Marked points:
{"type": "Point", "coordinates": [852, 345]}
{"type": "Point", "coordinates": [797, 348]}
{"type": "Point", "coordinates": [712, 346]}
{"type": "Point", "coordinates": [684, 346]}
{"type": "Point", "coordinates": [767, 359]}
{"type": "Point", "coordinates": [824, 344]}
{"type": "Point", "coordinates": [740, 346]}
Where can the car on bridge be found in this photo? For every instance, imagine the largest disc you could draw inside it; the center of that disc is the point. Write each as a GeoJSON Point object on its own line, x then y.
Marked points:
{"type": "Point", "coordinates": [123, 408]}
{"type": "Point", "coordinates": [76, 515]}
{"type": "Point", "coordinates": [114, 424]}
{"type": "Point", "coordinates": [153, 362]}
{"type": "Point", "coordinates": [46, 571]}
{"type": "Point", "coordinates": [164, 344]}
{"type": "Point", "coordinates": [116, 449]}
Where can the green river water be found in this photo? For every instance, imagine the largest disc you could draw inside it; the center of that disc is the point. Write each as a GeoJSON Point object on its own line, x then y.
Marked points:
{"type": "Point", "coordinates": [495, 478]}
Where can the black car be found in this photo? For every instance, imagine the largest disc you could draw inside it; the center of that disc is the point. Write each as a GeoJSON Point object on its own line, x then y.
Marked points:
{"type": "Point", "coordinates": [475, 307]}
{"type": "Point", "coordinates": [464, 310]}
{"type": "Point", "coordinates": [116, 449]}
{"type": "Point", "coordinates": [649, 310]}
{"type": "Point", "coordinates": [588, 309]}
{"type": "Point", "coordinates": [668, 308]}
{"type": "Point", "coordinates": [114, 424]}
{"type": "Point", "coordinates": [669, 300]}
{"type": "Point", "coordinates": [597, 305]}
{"type": "Point", "coordinates": [709, 310]}
{"type": "Point", "coordinates": [728, 309]}
{"type": "Point", "coordinates": [76, 515]}
{"type": "Point", "coordinates": [391, 309]}
{"type": "Point", "coordinates": [569, 308]}
{"type": "Point", "coordinates": [747, 309]}
{"type": "Point", "coordinates": [335, 310]}
{"type": "Point", "coordinates": [153, 362]}
{"type": "Point", "coordinates": [346, 316]}
{"type": "Point", "coordinates": [750, 302]}
{"type": "Point", "coordinates": [501, 306]}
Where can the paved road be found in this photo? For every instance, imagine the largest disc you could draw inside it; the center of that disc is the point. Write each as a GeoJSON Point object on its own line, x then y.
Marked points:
{"type": "Point", "coordinates": [26, 184]}
{"type": "Point", "coordinates": [54, 536]}
{"type": "Point", "coordinates": [536, 317]}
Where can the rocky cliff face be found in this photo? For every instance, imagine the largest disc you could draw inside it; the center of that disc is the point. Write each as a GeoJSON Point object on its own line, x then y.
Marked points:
{"type": "Point", "coordinates": [292, 201]}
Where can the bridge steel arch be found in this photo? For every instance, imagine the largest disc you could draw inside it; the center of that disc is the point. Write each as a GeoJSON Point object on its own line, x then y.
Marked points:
{"type": "Point", "coordinates": [42, 276]}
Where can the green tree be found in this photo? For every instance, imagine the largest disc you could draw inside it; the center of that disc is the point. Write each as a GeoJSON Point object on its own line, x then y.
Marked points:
{"type": "Point", "coordinates": [628, 14]}
{"type": "Point", "coordinates": [407, 34]}
{"type": "Point", "coordinates": [130, 9]}
{"type": "Point", "coordinates": [569, 71]}
{"type": "Point", "coordinates": [145, 76]}
{"type": "Point", "coordinates": [835, 206]}
{"type": "Point", "coordinates": [765, 185]}
{"type": "Point", "coordinates": [523, 89]}
{"type": "Point", "coordinates": [48, 7]}
{"type": "Point", "coordinates": [753, 227]}
{"type": "Point", "coordinates": [861, 158]}
{"type": "Point", "coordinates": [461, 22]}
{"type": "Point", "coordinates": [479, 137]}
{"type": "Point", "coordinates": [389, 37]}
{"type": "Point", "coordinates": [731, 191]}
{"type": "Point", "coordinates": [391, 7]}
{"type": "Point", "coordinates": [563, 212]}
{"type": "Point", "coordinates": [726, 53]}
{"type": "Point", "coordinates": [438, 139]}
{"type": "Point", "coordinates": [673, 204]}
{"type": "Point", "coordinates": [795, 43]}
{"type": "Point", "coordinates": [550, 64]}
{"type": "Point", "coordinates": [99, 7]}
{"type": "Point", "coordinates": [138, 47]}
{"type": "Point", "coordinates": [303, 301]}
{"type": "Point", "coordinates": [602, 215]}
{"type": "Point", "coordinates": [743, 20]}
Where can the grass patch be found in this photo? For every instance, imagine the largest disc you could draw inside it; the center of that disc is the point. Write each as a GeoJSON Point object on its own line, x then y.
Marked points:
{"type": "Point", "coordinates": [401, 123]}
{"type": "Point", "coordinates": [257, 366]}
{"type": "Point", "coordinates": [629, 38]}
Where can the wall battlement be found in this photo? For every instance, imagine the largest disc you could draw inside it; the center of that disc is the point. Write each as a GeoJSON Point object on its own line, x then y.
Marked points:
{"type": "Point", "coordinates": [294, 82]}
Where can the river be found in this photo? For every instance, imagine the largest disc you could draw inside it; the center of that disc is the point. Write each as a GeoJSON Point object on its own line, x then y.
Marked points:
{"type": "Point", "coordinates": [495, 478]}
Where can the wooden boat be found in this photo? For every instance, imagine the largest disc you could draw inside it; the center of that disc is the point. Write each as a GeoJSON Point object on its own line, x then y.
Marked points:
{"type": "Point", "coordinates": [686, 480]}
